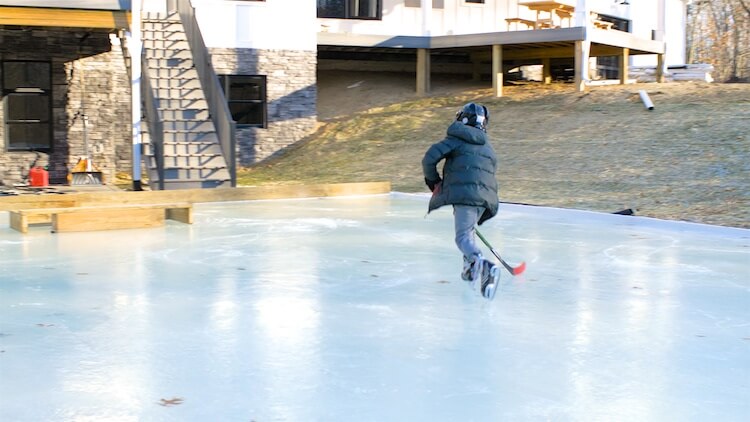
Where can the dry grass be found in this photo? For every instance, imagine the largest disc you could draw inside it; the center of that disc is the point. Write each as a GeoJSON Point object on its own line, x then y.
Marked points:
{"type": "Point", "coordinates": [600, 150]}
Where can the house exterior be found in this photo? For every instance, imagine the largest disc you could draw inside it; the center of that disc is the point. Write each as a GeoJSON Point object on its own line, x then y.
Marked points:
{"type": "Point", "coordinates": [230, 83]}
{"type": "Point", "coordinates": [67, 88]}
{"type": "Point", "coordinates": [490, 36]}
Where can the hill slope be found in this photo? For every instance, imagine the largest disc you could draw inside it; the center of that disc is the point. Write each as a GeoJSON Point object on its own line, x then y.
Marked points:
{"type": "Point", "coordinates": [601, 150]}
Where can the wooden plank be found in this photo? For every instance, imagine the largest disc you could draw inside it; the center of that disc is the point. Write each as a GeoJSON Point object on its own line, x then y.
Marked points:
{"type": "Point", "coordinates": [37, 217]}
{"type": "Point", "coordinates": [67, 18]}
{"type": "Point", "coordinates": [19, 222]}
{"type": "Point", "coordinates": [69, 210]}
{"type": "Point", "coordinates": [107, 219]}
{"type": "Point", "coordinates": [22, 202]}
{"type": "Point", "coordinates": [528, 22]}
{"type": "Point", "coordinates": [21, 219]}
{"type": "Point", "coordinates": [183, 214]}
{"type": "Point", "coordinates": [72, 4]}
{"type": "Point", "coordinates": [602, 24]}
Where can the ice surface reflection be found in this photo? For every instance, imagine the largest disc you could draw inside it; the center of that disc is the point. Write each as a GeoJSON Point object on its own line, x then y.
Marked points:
{"type": "Point", "coordinates": [344, 309]}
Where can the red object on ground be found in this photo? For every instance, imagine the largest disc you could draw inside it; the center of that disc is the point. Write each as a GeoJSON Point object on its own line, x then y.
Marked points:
{"type": "Point", "coordinates": [38, 177]}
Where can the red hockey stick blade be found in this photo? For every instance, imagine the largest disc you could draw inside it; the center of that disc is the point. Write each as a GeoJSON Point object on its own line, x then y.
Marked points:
{"type": "Point", "coordinates": [519, 269]}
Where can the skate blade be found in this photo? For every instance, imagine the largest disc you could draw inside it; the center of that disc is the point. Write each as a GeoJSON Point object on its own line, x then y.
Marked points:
{"type": "Point", "coordinates": [491, 289]}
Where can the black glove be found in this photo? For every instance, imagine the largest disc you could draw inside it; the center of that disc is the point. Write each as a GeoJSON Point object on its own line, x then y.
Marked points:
{"type": "Point", "coordinates": [432, 183]}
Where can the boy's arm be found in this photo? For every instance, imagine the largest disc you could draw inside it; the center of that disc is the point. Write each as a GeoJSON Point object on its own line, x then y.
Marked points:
{"type": "Point", "coordinates": [430, 161]}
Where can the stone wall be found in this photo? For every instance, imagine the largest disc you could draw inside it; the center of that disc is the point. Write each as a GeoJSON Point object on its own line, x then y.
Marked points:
{"type": "Point", "coordinates": [291, 98]}
{"type": "Point", "coordinates": [89, 77]}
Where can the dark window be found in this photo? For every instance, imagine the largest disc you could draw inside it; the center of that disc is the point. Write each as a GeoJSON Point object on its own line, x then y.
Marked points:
{"type": "Point", "coordinates": [246, 96]}
{"type": "Point", "coordinates": [475, 1]}
{"type": "Point", "coordinates": [617, 23]}
{"type": "Point", "coordinates": [26, 90]}
{"type": "Point", "coordinates": [350, 9]}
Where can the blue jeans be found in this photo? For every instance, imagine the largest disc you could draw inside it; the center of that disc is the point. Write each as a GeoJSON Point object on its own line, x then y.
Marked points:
{"type": "Point", "coordinates": [465, 219]}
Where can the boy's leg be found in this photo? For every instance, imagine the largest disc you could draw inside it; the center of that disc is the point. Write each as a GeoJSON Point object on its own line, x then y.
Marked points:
{"type": "Point", "coordinates": [465, 219]}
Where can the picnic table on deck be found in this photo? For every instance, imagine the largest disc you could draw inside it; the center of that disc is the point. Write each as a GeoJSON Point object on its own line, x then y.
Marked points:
{"type": "Point", "coordinates": [562, 8]}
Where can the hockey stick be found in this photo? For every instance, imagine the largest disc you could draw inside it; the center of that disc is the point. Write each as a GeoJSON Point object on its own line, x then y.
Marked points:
{"type": "Point", "coordinates": [515, 271]}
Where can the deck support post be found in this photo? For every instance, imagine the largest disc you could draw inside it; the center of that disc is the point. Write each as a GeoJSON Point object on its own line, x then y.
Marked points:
{"type": "Point", "coordinates": [546, 71]}
{"type": "Point", "coordinates": [497, 70]}
{"type": "Point", "coordinates": [423, 71]}
{"type": "Point", "coordinates": [624, 66]}
{"type": "Point", "coordinates": [660, 73]}
{"type": "Point", "coordinates": [583, 49]}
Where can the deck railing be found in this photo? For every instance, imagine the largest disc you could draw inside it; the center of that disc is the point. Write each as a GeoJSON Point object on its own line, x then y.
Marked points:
{"type": "Point", "coordinates": [155, 121]}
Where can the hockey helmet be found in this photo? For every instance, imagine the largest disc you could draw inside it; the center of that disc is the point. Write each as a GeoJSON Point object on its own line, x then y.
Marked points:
{"type": "Point", "coordinates": [473, 114]}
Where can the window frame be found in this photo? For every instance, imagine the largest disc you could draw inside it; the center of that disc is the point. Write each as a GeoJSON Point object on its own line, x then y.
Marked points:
{"type": "Point", "coordinates": [18, 91]}
{"type": "Point", "coordinates": [225, 80]}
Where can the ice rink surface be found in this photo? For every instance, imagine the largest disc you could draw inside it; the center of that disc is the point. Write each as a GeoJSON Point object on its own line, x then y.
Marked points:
{"type": "Point", "coordinates": [352, 309]}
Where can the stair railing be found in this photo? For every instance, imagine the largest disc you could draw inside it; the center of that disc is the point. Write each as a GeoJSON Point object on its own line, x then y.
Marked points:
{"type": "Point", "coordinates": [218, 108]}
{"type": "Point", "coordinates": [154, 119]}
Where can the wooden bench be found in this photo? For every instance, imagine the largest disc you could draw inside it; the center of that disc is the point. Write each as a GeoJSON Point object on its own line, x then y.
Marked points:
{"type": "Point", "coordinates": [602, 24]}
{"type": "Point", "coordinates": [528, 22]}
{"type": "Point", "coordinates": [114, 217]}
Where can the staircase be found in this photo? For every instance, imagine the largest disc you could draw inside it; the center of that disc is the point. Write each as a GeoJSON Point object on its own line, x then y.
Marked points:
{"type": "Point", "coordinates": [183, 149]}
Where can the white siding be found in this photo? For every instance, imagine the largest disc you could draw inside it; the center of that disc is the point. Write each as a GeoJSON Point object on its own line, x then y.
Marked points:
{"type": "Point", "coordinates": [457, 17]}
{"type": "Point", "coordinates": [269, 25]}
{"type": "Point", "coordinates": [645, 19]}
{"type": "Point", "coordinates": [676, 37]}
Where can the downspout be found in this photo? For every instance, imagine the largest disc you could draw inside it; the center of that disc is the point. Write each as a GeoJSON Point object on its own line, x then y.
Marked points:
{"type": "Point", "coordinates": [135, 46]}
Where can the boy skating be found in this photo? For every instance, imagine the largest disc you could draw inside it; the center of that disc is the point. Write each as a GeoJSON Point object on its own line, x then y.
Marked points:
{"type": "Point", "coordinates": [470, 186]}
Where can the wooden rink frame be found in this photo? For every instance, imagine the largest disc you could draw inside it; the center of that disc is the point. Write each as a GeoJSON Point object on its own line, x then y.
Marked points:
{"type": "Point", "coordinates": [78, 219]}
{"type": "Point", "coordinates": [89, 211]}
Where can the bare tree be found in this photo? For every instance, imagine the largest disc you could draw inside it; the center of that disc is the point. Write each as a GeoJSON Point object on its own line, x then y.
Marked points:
{"type": "Point", "coordinates": [719, 34]}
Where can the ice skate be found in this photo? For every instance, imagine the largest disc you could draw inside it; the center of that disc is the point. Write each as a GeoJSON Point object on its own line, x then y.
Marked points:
{"type": "Point", "coordinates": [472, 271]}
{"type": "Point", "coordinates": [490, 279]}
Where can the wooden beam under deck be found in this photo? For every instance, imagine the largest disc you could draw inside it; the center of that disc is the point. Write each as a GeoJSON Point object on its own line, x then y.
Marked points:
{"type": "Point", "coordinates": [64, 18]}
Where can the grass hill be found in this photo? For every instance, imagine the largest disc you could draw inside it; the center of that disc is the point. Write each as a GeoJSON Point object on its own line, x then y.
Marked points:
{"type": "Point", "coordinates": [601, 150]}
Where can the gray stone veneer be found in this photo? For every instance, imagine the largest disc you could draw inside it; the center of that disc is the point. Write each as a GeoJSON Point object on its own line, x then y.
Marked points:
{"type": "Point", "coordinates": [99, 67]}
{"type": "Point", "coordinates": [291, 97]}
{"type": "Point", "coordinates": [87, 67]}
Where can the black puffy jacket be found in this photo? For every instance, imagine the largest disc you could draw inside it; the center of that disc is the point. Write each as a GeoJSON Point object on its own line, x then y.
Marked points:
{"type": "Point", "coordinates": [468, 173]}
